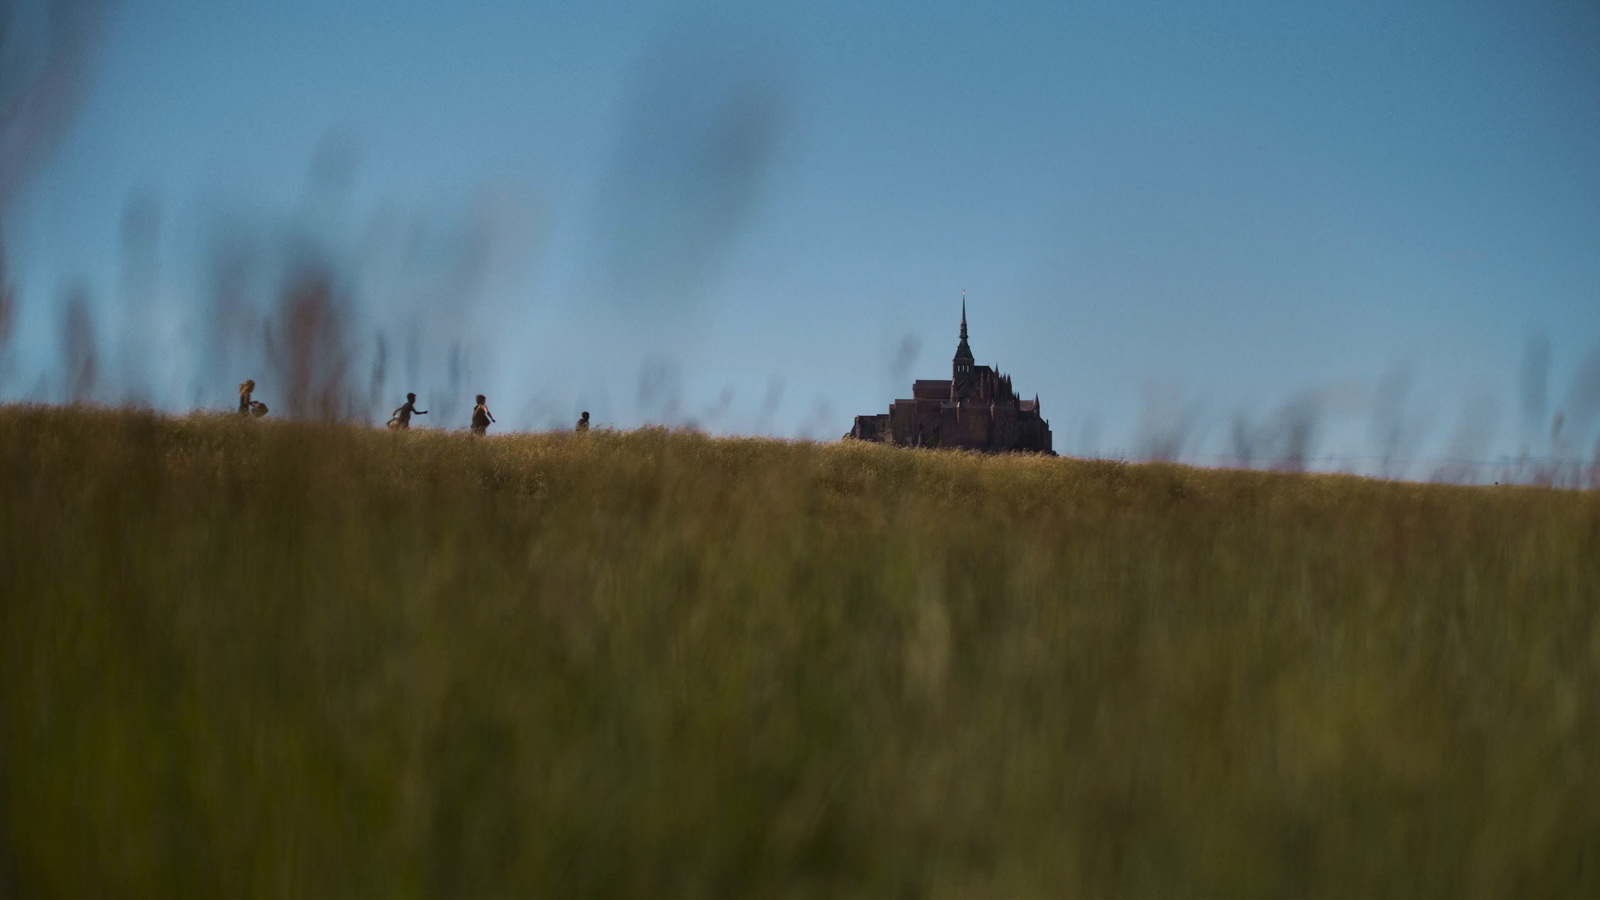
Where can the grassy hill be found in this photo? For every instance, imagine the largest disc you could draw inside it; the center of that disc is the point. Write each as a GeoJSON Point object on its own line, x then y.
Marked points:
{"type": "Point", "coordinates": [243, 657]}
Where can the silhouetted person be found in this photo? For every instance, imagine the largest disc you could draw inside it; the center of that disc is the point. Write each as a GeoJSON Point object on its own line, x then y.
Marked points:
{"type": "Point", "coordinates": [248, 407]}
{"type": "Point", "coordinates": [583, 421]}
{"type": "Point", "coordinates": [401, 418]}
{"type": "Point", "coordinates": [481, 417]}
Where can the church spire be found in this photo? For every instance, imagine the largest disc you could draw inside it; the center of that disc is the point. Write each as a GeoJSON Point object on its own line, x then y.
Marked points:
{"type": "Point", "coordinates": [962, 364]}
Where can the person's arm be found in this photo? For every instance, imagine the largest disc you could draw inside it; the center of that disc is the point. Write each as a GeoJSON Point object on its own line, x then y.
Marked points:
{"type": "Point", "coordinates": [487, 413]}
{"type": "Point", "coordinates": [422, 412]}
{"type": "Point", "coordinates": [396, 411]}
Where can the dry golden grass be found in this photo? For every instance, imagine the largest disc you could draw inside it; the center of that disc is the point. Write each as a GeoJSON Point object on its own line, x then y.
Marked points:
{"type": "Point", "coordinates": [256, 658]}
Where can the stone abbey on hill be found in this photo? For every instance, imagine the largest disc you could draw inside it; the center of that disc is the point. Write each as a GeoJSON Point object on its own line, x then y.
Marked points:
{"type": "Point", "coordinates": [975, 410]}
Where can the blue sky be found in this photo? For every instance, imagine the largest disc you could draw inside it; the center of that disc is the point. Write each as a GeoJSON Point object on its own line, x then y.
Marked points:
{"type": "Point", "coordinates": [760, 218]}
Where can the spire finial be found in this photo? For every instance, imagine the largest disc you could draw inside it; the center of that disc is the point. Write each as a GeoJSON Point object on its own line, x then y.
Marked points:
{"type": "Point", "coordinates": [963, 314]}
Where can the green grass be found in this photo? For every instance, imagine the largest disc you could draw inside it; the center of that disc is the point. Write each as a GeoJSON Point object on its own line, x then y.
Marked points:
{"type": "Point", "coordinates": [257, 658]}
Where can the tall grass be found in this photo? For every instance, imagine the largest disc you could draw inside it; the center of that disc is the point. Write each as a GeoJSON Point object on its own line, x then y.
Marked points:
{"type": "Point", "coordinates": [261, 658]}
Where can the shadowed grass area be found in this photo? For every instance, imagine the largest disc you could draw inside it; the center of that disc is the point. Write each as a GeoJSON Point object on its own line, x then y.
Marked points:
{"type": "Point", "coordinates": [242, 657]}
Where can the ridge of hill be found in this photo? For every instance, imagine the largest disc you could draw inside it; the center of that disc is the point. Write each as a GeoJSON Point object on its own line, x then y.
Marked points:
{"type": "Point", "coordinates": [253, 657]}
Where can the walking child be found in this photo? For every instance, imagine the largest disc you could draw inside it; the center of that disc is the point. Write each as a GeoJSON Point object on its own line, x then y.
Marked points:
{"type": "Point", "coordinates": [401, 418]}
{"type": "Point", "coordinates": [481, 417]}
{"type": "Point", "coordinates": [248, 407]}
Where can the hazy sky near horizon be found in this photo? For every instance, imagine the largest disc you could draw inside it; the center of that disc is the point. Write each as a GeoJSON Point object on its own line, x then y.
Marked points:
{"type": "Point", "coordinates": [761, 217]}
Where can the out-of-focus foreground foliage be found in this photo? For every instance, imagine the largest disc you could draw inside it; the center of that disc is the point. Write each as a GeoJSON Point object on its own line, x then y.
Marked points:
{"type": "Point", "coordinates": [245, 657]}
